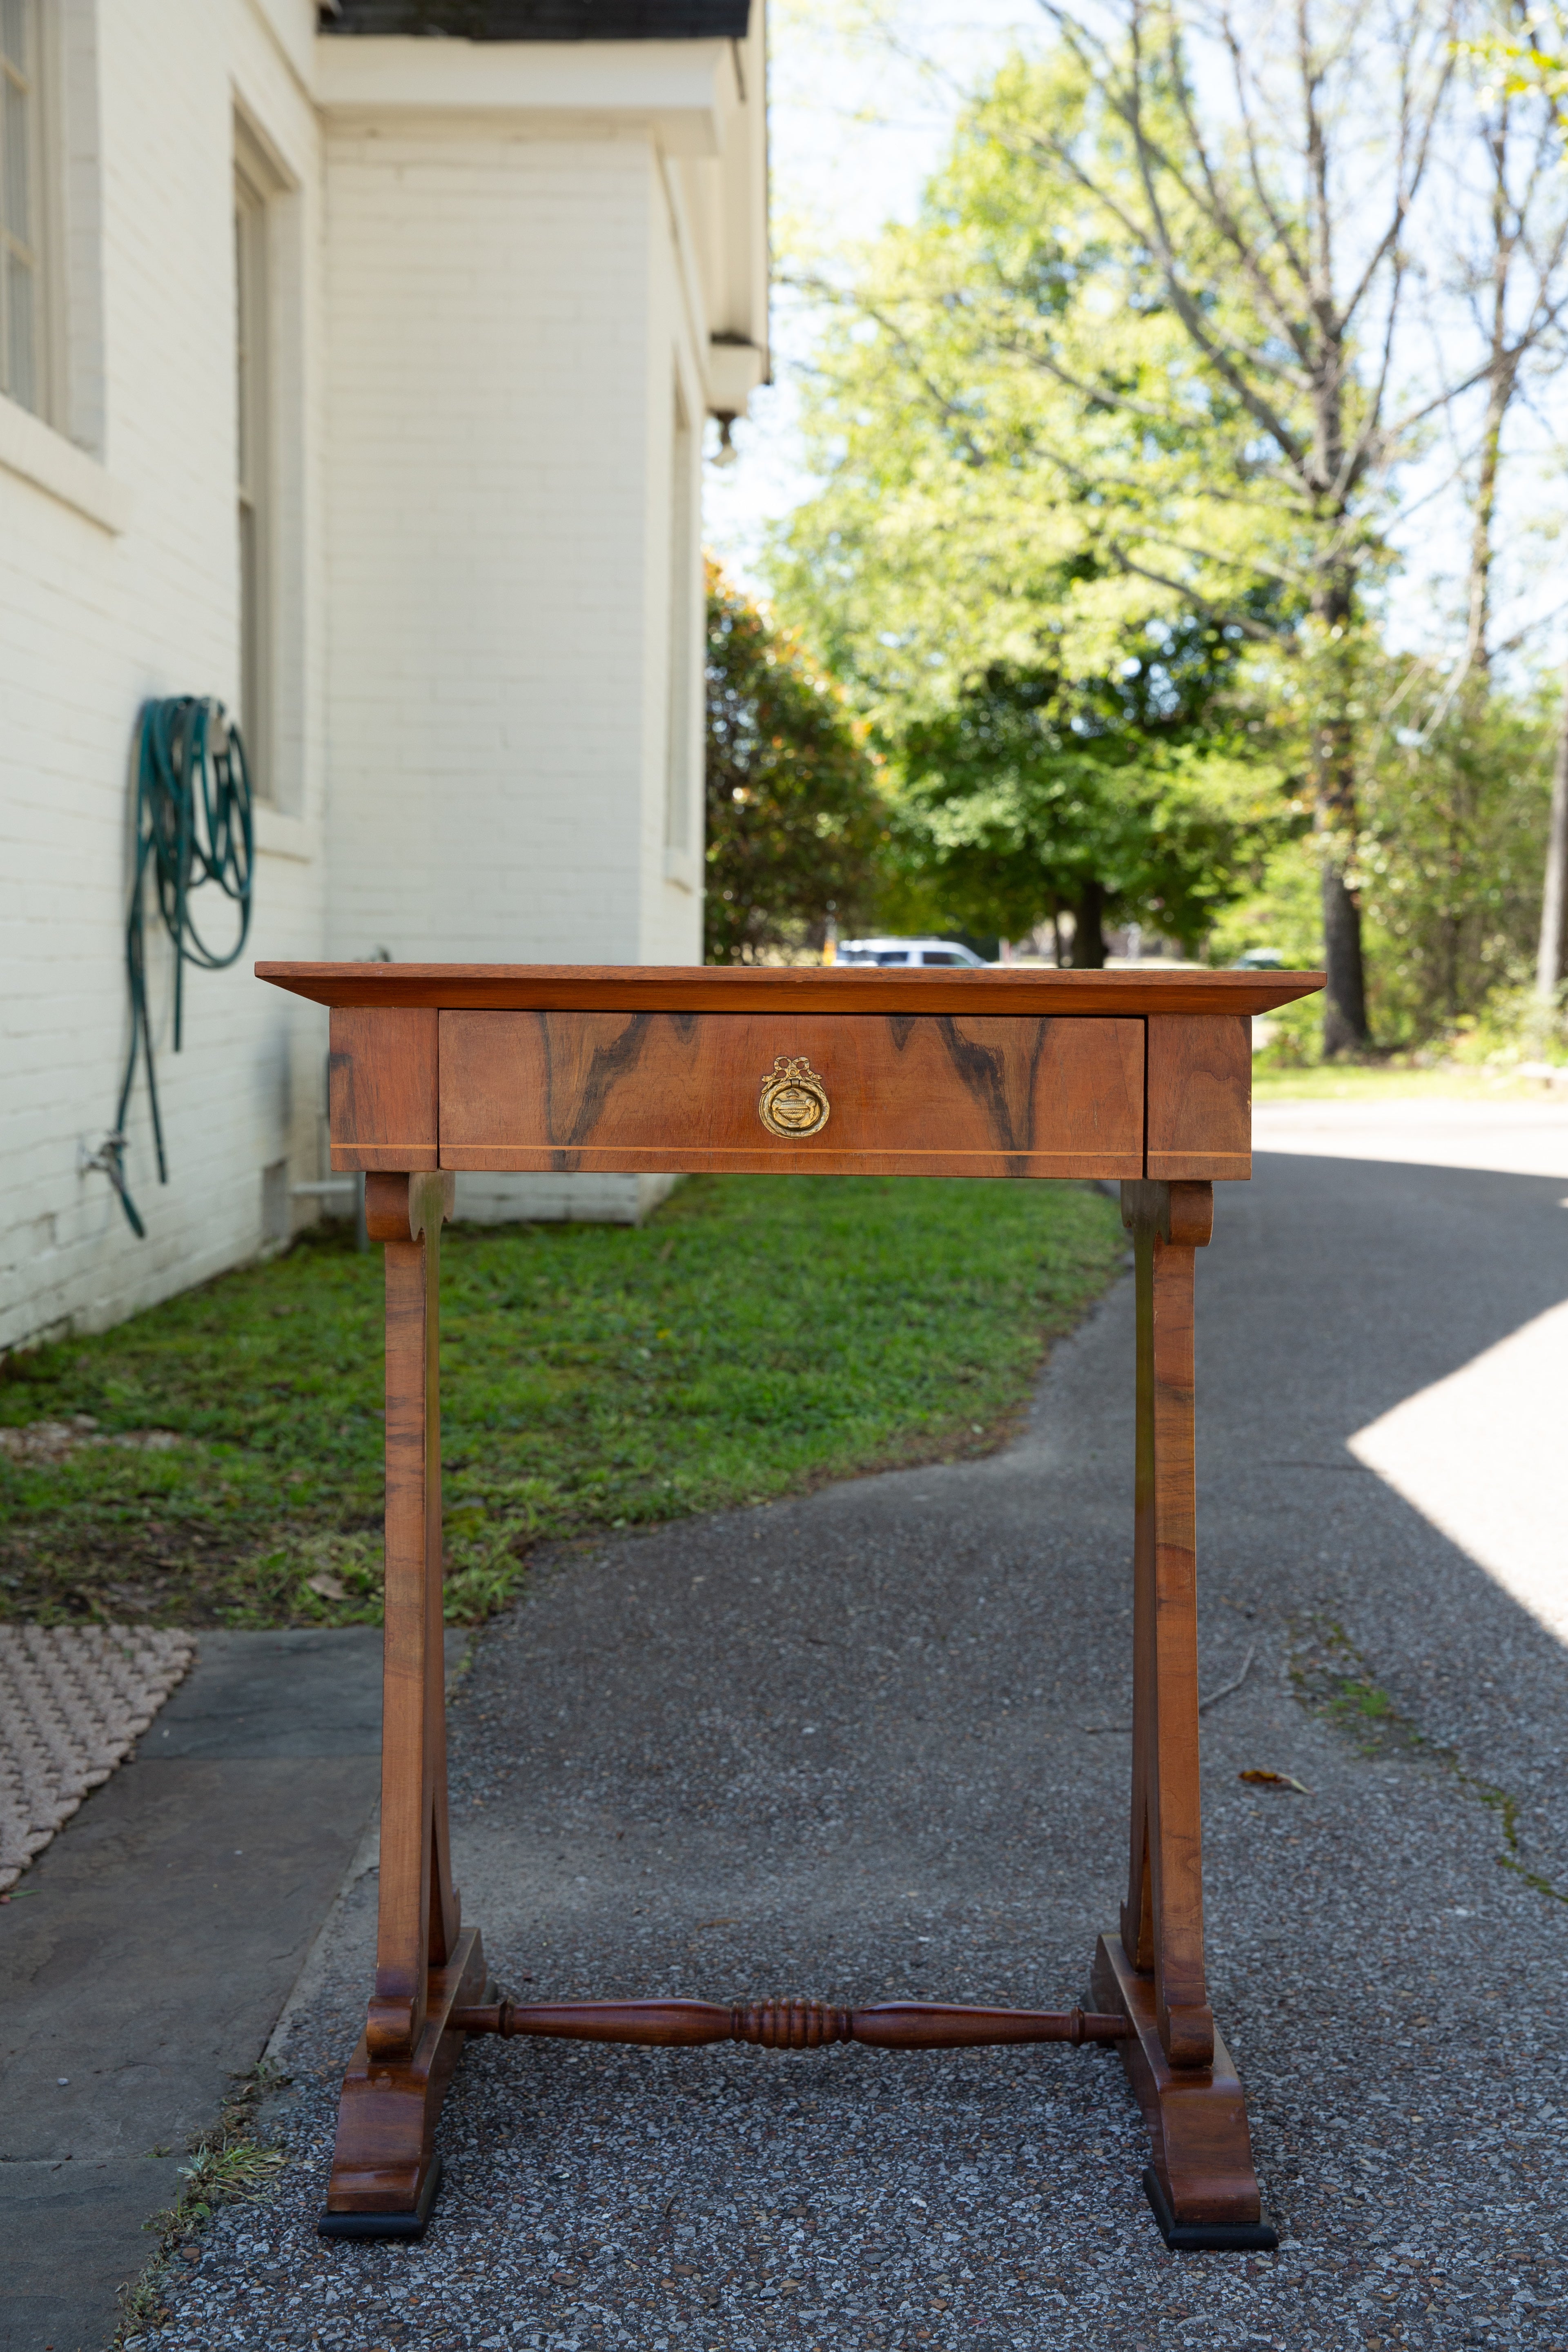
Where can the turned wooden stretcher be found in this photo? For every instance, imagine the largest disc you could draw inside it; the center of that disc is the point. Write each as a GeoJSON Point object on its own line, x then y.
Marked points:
{"type": "Point", "coordinates": [1139, 1076]}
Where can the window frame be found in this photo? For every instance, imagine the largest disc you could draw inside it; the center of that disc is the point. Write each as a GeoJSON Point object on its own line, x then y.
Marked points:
{"type": "Point", "coordinates": [32, 77]}
{"type": "Point", "coordinates": [255, 187]}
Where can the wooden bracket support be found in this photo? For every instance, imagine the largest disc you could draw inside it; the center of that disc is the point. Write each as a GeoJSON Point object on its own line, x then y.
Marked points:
{"type": "Point", "coordinates": [1200, 2183]}
{"type": "Point", "coordinates": [383, 2168]}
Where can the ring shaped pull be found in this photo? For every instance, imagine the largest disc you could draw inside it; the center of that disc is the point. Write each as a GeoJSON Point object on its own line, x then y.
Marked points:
{"type": "Point", "coordinates": [793, 1101]}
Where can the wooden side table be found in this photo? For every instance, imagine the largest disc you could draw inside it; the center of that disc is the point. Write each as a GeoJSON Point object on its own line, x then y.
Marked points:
{"type": "Point", "coordinates": [1140, 1077]}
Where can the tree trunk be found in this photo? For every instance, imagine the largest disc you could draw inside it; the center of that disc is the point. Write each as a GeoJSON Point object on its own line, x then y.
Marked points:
{"type": "Point", "coordinates": [1088, 939]}
{"type": "Point", "coordinates": [1502, 382]}
{"type": "Point", "coordinates": [1337, 819]}
{"type": "Point", "coordinates": [1549, 968]}
{"type": "Point", "coordinates": [1344, 993]}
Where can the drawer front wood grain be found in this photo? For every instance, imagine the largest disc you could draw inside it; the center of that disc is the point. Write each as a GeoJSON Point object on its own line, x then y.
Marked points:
{"type": "Point", "coordinates": [944, 1095]}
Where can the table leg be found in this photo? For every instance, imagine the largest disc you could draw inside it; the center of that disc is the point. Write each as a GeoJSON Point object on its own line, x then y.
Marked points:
{"type": "Point", "coordinates": [1154, 1972]}
{"type": "Point", "coordinates": [384, 2170]}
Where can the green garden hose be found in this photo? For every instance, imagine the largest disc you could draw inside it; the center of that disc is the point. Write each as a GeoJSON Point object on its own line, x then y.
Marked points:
{"type": "Point", "coordinates": [193, 827]}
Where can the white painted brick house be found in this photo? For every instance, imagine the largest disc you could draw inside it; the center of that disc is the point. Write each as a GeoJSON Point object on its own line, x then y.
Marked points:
{"type": "Point", "coordinates": [475, 271]}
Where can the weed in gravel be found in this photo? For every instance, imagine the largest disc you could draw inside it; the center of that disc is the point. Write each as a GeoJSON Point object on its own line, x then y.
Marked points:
{"type": "Point", "coordinates": [1333, 1679]}
{"type": "Point", "coordinates": [229, 2166]}
{"type": "Point", "coordinates": [1506, 1808]}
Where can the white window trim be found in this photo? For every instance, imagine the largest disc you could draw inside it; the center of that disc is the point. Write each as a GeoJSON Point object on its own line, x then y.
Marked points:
{"type": "Point", "coordinates": [255, 185]}
{"type": "Point", "coordinates": [279, 834]}
{"type": "Point", "coordinates": [37, 454]}
{"type": "Point", "coordinates": [263, 165]}
{"type": "Point", "coordinates": [59, 450]}
{"type": "Point", "coordinates": [42, 242]}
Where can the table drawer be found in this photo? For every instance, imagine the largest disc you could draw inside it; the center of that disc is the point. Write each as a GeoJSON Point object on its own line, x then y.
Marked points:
{"type": "Point", "coordinates": [829, 1094]}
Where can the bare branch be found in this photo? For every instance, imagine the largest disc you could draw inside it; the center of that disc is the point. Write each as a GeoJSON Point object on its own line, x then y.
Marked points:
{"type": "Point", "coordinates": [1223, 615]}
{"type": "Point", "coordinates": [1250, 131]}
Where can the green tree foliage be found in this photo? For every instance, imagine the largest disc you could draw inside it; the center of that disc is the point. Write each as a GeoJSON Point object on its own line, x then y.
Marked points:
{"type": "Point", "coordinates": [1022, 462]}
{"type": "Point", "coordinates": [1104, 397]}
{"type": "Point", "coordinates": [795, 818]}
{"type": "Point", "coordinates": [1125, 797]}
{"type": "Point", "coordinates": [1109, 378]}
{"type": "Point", "coordinates": [1447, 863]}
{"type": "Point", "coordinates": [1043, 595]}
{"type": "Point", "coordinates": [1450, 855]}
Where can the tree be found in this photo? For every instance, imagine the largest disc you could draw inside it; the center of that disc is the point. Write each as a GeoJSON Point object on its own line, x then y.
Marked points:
{"type": "Point", "coordinates": [1209, 297]}
{"type": "Point", "coordinates": [1265, 195]}
{"type": "Point", "coordinates": [1515, 275]}
{"type": "Point", "coordinates": [1127, 797]}
{"type": "Point", "coordinates": [975, 508]}
{"type": "Point", "coordinates": [1551, 945]}
{"type": "Point", "coordinates": [794, 817]}
{"type": "Point", "coordinates": [1514, 286]}
{"type": "Point", "coordinates": [1523, 55]}
{"type": "Point", "coordinates": [1454, 823]}
{"type": "Point", "coordinates": [989, 562]}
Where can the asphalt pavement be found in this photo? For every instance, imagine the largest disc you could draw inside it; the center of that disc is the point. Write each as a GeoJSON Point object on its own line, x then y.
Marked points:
{"type": "Point", "coordinates": [868, 1743]}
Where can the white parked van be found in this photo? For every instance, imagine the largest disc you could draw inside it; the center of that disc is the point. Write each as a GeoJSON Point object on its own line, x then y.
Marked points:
{"type": "Point", "coordinates": [907, 952]}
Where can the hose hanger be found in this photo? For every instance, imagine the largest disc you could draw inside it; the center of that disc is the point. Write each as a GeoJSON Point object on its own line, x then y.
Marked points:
{"type": "Point", "coordinates": [193, 826]}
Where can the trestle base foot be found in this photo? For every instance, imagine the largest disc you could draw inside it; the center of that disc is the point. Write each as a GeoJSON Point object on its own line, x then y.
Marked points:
{"type": "Point", "coordinates": [1200, 2184]}
{"type": "Point", "coordinates": [385, 2225]}
{"type": "Point", "coordinates": [385, 2170]}
{"type": "Point", "coordinates": [1206, 2237]}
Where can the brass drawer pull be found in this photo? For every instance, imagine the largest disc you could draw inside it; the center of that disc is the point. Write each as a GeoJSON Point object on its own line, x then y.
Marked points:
{"type": "Point", "coordinates": [793, 1101]}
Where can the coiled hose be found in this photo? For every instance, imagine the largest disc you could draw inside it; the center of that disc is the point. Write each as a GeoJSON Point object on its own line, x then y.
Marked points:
{"type": "Point", "coordinates": [193, 826]}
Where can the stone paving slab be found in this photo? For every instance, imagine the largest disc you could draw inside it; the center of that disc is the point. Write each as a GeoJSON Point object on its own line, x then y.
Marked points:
{"type": "Point", "coordinates": [155, 1946]}
{"type": "Point", "coordinates": [838, 1746]}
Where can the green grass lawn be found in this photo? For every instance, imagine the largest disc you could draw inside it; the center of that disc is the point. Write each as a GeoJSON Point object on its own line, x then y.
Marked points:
{"type": "Point", "coordinates": [1368, 1082]}
{"type": "Point", "coordinates": [761, 1335]}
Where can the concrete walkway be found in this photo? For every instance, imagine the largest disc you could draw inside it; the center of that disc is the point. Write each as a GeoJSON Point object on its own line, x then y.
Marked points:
{"type": "Point", "coordinates": [154, 1947]}
{"type": "Point", "coordinates": [1513, 1138]}
{"type": "Point", "coordinates": [853, 1746]}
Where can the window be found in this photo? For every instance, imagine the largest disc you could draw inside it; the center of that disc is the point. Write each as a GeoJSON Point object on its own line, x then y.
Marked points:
{"type": "Point", "coordinates": [678, 789]}
{"type": "Point", "coordinates": [22, 323]}
{"type": "Point", "coordinates": [253, 419]}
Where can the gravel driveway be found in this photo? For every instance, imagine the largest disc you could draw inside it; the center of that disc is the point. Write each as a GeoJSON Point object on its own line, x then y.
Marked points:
{"type": "Point", "coordinates": [855, 1746]}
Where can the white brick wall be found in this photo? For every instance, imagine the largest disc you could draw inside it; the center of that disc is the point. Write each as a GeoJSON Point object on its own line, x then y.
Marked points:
{"type": "Point", "coordinates": [501, 357]}
{"type": "Point", "coordinates": [480, 324]}
{"type": "Point", "coordinates": [91, 622]}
